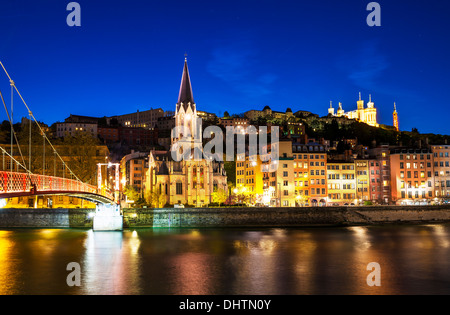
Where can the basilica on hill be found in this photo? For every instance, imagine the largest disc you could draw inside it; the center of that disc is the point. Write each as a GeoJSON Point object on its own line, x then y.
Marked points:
{"type": "Point", "coordinates": [366, 115]}
{"type": "Point", "coordinates": [190, 181]}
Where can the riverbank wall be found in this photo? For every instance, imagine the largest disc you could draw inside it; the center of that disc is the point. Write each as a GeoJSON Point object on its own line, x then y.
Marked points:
{"type": "Point", "coordinates": [46, 218]}
{"type": "Point", "coordinates": [230, 217]}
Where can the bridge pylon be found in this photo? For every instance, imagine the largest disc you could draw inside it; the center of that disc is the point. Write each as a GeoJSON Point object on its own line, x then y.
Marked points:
{"type": "Point", "coordinates": [108, 217]}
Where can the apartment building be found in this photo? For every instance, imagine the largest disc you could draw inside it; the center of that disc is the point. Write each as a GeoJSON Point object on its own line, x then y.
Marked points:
{"type": "Point", "coordinates": [382, 155]}
{"type": "Point", "coordinates": [249, 177]}
{"type": "Point", "coordinates": [376, 181]}
{"type": "Point", "coordinates": [441, 163]}
{"type": "Point", "coordinates": [362, 181]}
{"type": "Point", "coordinates": [133, 168]}
{"type": "Point", "coordinates": [341, 179]}
{"type": "Point", "coordinates": [412, 175]}
{"type": "Point", "coordinates": [314, 156]}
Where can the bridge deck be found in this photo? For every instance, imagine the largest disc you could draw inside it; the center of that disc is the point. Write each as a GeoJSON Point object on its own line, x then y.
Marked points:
{"type": "Point", "coordinates": [22, 184]}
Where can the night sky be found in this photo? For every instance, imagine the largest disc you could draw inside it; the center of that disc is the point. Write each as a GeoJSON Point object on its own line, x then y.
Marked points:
{"type": "Point", "coordinates": [242, 55]}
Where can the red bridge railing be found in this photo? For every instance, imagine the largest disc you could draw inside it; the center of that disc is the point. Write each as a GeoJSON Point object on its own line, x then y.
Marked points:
{"type": "Point", "coordinates": [11, 182]}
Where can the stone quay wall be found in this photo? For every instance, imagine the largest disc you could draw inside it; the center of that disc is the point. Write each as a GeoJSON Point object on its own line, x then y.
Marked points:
{"type": "Point", "coordinates": [46, 218]}
{"type": "Point", "coordinates": [284, 217]}
{"type": "Point", "coordinates": [230, 217]}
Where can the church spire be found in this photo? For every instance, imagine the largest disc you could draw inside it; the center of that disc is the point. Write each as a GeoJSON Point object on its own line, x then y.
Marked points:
{"type": "Point", "coordinates": [185, 96]}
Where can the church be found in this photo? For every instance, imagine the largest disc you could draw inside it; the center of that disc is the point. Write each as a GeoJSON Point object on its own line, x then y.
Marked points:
{"type": "Point", "coordinates": [188, 181]}
{"type": "Point", "coordinates": [366, 115]}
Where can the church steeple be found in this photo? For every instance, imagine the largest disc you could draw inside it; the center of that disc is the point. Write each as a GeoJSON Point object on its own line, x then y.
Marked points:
{"type": "Point", "coordinates": [185, 97]}
{"type": "Point", "coordinates": [187, 122]}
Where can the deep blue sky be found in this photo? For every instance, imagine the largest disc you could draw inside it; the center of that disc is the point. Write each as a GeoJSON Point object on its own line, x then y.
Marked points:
{"type": "Point", "coordinates": [128, 55]}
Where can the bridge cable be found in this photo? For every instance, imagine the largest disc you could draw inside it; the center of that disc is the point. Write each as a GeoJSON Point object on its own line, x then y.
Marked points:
{"type": "Point", "coordinates": [39, 126]}
{"type": "Point", "coordinates": [17, 162]}
{"type": "Point", "coordinates": [43, 155]}
{"type": "Point", "coordinates": [13, 134]}
{"type": "Point", "coordinates": [11, 120]}
{"type": "Point", "coordinates": [29, 143]}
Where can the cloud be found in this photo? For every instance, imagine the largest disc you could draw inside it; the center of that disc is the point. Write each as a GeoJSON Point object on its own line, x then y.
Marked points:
{"type": "Point", "coordinates": [237, 64]}
{"type": "Point", "coordinates": [364, 66]}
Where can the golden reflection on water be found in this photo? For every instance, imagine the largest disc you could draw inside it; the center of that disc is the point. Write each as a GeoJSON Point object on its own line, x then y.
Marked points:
{"type": "Point", "coordinates": [441, 235]}
{"type": "Point", "coordinates": [413, 259]}
{"type": "Point", "coordinates": [364, 255]}
{"type": "Point", "coordinates": [304, 256]}
{"type": "Point", "coordinates": [8, 270]}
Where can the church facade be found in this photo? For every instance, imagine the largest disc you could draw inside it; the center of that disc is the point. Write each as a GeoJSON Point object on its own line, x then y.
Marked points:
{"type": "Point", "coordinates": [186, 181]}
{"type": "Point", "coordinates": [363, 114]}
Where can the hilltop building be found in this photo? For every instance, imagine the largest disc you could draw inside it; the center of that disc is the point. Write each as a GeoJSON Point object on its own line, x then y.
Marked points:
{"type": "Point", "coordinates": [268, 112]}
{"type": "Point", "coordinates": [363, 114]}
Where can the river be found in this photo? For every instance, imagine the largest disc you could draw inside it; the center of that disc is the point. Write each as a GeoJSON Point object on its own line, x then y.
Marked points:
{"type": "Point", "coordinates": [412, 259]}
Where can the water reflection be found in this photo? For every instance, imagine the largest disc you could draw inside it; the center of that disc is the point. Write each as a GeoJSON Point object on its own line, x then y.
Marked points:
{"type": "Point", "coordinates": [111, 264]}
{"type": "Point", "coordinates": [413, 260]}
{"type": "Point", "coordinates": [253, 264]}
{"type": "Point", "coordinates": [9, 274]}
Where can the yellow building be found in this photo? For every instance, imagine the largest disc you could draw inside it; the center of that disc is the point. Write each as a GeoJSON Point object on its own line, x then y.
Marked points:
{"type": "Point", "coordinates": [341, 179]}
{"type": "Point", "coordinates": [366, 115]}
{"type": "Point", "coordinates": [249, 177]}
{"type": "Point", "coordinates": [362, 180]}
{"type": "Point", "coordinates": [279, 189]}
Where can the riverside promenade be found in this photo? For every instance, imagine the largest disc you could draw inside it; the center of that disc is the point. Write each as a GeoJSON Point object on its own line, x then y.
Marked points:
{"type": "Point", "coordinates": [230, 217]}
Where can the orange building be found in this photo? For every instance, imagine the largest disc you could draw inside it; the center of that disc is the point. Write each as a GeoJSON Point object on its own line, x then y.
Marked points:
{"type": "Point", "coordinates": [412, 176]}
{"type": "Point", "coordinates": [314, 156]}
